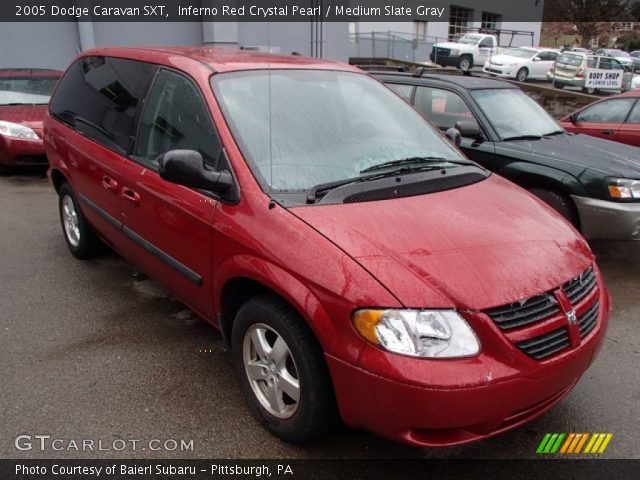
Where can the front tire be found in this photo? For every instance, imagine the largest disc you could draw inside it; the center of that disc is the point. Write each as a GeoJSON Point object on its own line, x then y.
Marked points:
{"type": "Point", "coordinates": [281, 370]}
{"type": "Point", "coordinates": [522, 74]}
{"type": "Point", "coordinates": [81, 240]}
{"type": "Point", "coordinates": [560, 202]}
{"type": "Point", "coordinates": [465, 63]}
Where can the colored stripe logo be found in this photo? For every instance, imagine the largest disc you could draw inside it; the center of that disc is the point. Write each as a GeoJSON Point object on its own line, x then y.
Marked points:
{"type": "Point", "coordinates": [572, 443]}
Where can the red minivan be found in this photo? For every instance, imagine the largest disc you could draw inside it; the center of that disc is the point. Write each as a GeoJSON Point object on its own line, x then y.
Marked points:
{"type": "Point", "coordinates": [355, 261]}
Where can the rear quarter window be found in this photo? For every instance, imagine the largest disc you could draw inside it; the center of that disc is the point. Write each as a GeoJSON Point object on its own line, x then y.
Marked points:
{"type": "Point", "coordinates": [99, 98]}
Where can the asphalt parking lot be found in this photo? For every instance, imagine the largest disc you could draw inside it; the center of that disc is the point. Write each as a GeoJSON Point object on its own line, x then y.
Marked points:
{"type": "Point", "coordinates": [91, 350]}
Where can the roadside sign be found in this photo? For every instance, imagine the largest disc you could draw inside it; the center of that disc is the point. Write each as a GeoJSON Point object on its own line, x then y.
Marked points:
{"type": "Point", "coordinates": [598, 78]}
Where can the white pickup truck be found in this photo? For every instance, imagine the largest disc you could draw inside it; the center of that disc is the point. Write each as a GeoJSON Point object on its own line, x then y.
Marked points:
{"type": "Point", "coordinates": [472, 49]}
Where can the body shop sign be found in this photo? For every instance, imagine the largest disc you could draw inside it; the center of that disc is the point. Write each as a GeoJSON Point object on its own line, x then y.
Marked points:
{"type": "Point", "coordinates": [597, 78]}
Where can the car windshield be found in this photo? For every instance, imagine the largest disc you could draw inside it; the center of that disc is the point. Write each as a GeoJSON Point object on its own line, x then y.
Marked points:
{"type": "Point", "coordinates": [520, 53]}
{"type": "Point", "coordinates": [618, 53]}
{"type": "Point", "coordinates": [301, 128]}
{"type": "Point", "coordinates": [568, 59]}
{"type": "Point", "coordinates": [26, 90]}
{"type": "Point", "coordinates": [514, 114]}
{"type": "Point", "coordinates": [469, 39]}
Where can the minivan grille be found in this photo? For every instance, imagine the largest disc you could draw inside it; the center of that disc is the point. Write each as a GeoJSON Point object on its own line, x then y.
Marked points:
{"type": "Point", "coordinates": [543, 307]}
{"type": "Point", "coordinates": [557, 340]}
{"type": "Point", "coordinates": [580, 286]}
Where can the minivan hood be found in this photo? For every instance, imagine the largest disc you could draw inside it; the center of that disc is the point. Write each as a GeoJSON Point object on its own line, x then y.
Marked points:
{"type": "Point", "coordinates": [578, 151]}
{"type": "Point", "coordinates": [475, 247]}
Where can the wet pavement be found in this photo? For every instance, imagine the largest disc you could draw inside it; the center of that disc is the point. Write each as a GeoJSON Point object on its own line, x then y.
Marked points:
{"type": "Point", "coordinates": [91, 351]}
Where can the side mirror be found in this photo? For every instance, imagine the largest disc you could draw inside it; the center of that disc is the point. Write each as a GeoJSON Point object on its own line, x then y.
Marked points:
{"type": "Point", "coordinates": [573, 118]}
{"type": "Point", "coordinates": [186, 167]}
{"type": "Point", "coordinates": [469, 129]}
{"type": "Point", "coordinates": [453, 134]}
{"type": "Point", "coordinates": [536, 59]}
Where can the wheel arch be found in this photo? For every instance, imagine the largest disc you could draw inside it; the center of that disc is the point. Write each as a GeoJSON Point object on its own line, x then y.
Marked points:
{"type": "Point", "coordinates": [243, 277]}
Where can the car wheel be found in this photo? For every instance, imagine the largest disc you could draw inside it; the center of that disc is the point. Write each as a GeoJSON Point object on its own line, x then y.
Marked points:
{"type": "Point", "coordinates": [81, 240]}
{"type": "Point", "coordinates": [281, 370]}
{"type": "Point", "coordinates": [560, 202]}
{"type": "Point", "coordinates": [589, 90]}
{"type": "Point", "coordinates": [465, 62]}
{"type": "Point", "coordinates": [559, 86]}
{"type": "Point", "coordinates": [522, 74]}
{"type": "Point", "coordinates": [5, 169]}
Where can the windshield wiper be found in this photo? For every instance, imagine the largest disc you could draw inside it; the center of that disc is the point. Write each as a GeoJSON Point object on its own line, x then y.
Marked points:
{"type": "Point", "coordinates": [412, 160]}
{"type": "Point", "coordinates": [314, 192]}
{"type": "Point", "coordinates": [523, 137]}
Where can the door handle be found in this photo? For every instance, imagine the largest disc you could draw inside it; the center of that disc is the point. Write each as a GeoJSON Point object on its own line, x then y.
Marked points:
{"type": "Point", "coordinates": [130, 196]}
{"type": "Point", "coordinates": [109, 184]}
{"type": "Point", "coordinates": [607, 132]}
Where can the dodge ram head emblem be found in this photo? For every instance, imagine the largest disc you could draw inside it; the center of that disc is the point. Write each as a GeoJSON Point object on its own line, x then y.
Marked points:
{"type": "Point", "coordinates": [572, 317]}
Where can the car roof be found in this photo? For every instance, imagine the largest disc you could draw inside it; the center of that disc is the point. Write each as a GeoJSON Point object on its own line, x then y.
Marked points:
{"type": "Point", "coordinates": [468, 82]}
{"type": "Point", "coordinates": [29, 72]}
{"type": "Point", "coordinates": [221, 59]}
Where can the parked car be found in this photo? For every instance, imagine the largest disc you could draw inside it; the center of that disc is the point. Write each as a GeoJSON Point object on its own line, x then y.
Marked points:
{"type": "Point", "coordinates": [571, 68]}
{"type": "Point", "coordinates": [593, 183]}
{"type": "Point", "coordinates": [615, 118]}
{"type": "Point", "coordinates": [635, 58]}
{"type": "Point", "coordinates": [24, 94]}
{"type": "Point", "coordinates": [623, 57]}
{"type": "Point", "coordinates": [521, 63]}
{"type": "Point", "coordinates": [471, 49]}
{"type": "Point", "coordinates": [348, 261]}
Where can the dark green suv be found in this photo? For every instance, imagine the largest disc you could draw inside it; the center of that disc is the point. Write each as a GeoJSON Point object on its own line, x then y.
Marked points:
{"type": "Point", "coordinates": [594, 183]}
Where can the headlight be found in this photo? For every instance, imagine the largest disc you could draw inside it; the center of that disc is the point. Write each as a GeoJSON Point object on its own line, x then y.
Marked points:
{"type": "Point", "coordinates": [455, 52]}
{"type": "Point", "coordinates": [9, 129]}
{"type": "Point", "coordinates": [623, 188]}
{"type": "Point", "coordinates": [418, 333]}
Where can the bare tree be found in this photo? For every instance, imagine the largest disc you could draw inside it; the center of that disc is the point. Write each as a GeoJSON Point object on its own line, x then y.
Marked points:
{"type": "Point", "coordinates": [591, 17]}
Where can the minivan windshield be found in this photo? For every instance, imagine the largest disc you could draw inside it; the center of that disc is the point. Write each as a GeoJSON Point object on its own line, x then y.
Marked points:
{"type": "Point", "coordinates": [26, 90]}
{"type": "Point", "coordinates": [301, 128]}
{"type": "Point", "coordinates": [514, 115]}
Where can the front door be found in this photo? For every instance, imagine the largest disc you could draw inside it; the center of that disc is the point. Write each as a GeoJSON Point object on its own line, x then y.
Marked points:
{"type": "Point", "coordinates": [170, 226]}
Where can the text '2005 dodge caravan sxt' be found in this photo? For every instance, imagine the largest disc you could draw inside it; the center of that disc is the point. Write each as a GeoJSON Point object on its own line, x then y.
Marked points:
{"type": "Point", "coordinates": [353, 258]}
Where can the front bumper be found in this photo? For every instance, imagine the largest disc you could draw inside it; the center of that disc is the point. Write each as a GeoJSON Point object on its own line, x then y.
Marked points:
{"type": "Point", "coordinates": [601, 219]}
{"type": "Point", "coordinates": [500, 71]}
{"type": "Point", "coordinates": [444, 60]}
{"type": "Point", "coordinates": [20, 151]}
{"type": "Point", "coordinates": [437, 403]}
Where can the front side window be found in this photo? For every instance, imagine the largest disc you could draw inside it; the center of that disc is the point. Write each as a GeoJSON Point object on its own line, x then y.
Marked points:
{"type": "Point", "coordinates": [442, 107]}
{"type": "Point", "coordinates": [634, 116]}
{"type": "Point", "coordinates": [300, 128]}
{"type": "Point", "coordinates": [514, 114]}
{"type": "Point", "coordinates": [176, 118]}
{"type": "Point", "coordinates": [26, 90]}
{"type": "Point", "coordinates": [99, 97]}
{"type": "Point", "coordinates": [609, 111]}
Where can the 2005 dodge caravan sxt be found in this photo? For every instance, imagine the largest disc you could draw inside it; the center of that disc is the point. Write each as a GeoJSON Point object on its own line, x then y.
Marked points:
{"type": "Point", "coordinates": [353, 258]}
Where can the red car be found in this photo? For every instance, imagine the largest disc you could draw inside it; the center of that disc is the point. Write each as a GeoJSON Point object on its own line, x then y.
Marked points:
{"type": "Point", "coordinates": [24, 94]}
{"type": "Point", "coordinates": [614, 118]}
{"type": "Point", "coordinates": [356, 262]}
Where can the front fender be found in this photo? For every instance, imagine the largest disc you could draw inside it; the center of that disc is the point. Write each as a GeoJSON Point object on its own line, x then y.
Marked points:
{"type": "Point", "coordinates": [532, 174]}
{"type": "Point", "coordinates": [331, 327]}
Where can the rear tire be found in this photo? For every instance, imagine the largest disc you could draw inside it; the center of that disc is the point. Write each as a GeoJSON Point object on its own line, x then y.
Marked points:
{"type": "Point", "coordinates": [81, 240]}
{"type": "Point", "coordinates": [560, 202]}
{"type": "Point", "coordinates": [290, 393]}
{"type": "Point", "coordinates": [465, 63]}
{"type": "Point", "coordinates": [522, 74]}
{"type": "Point", "coordinates": [560, 86]}
{"type": "Point", "coordinates": [5, 170]}
{"type": "Point", "coordinates": [590, 90]}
